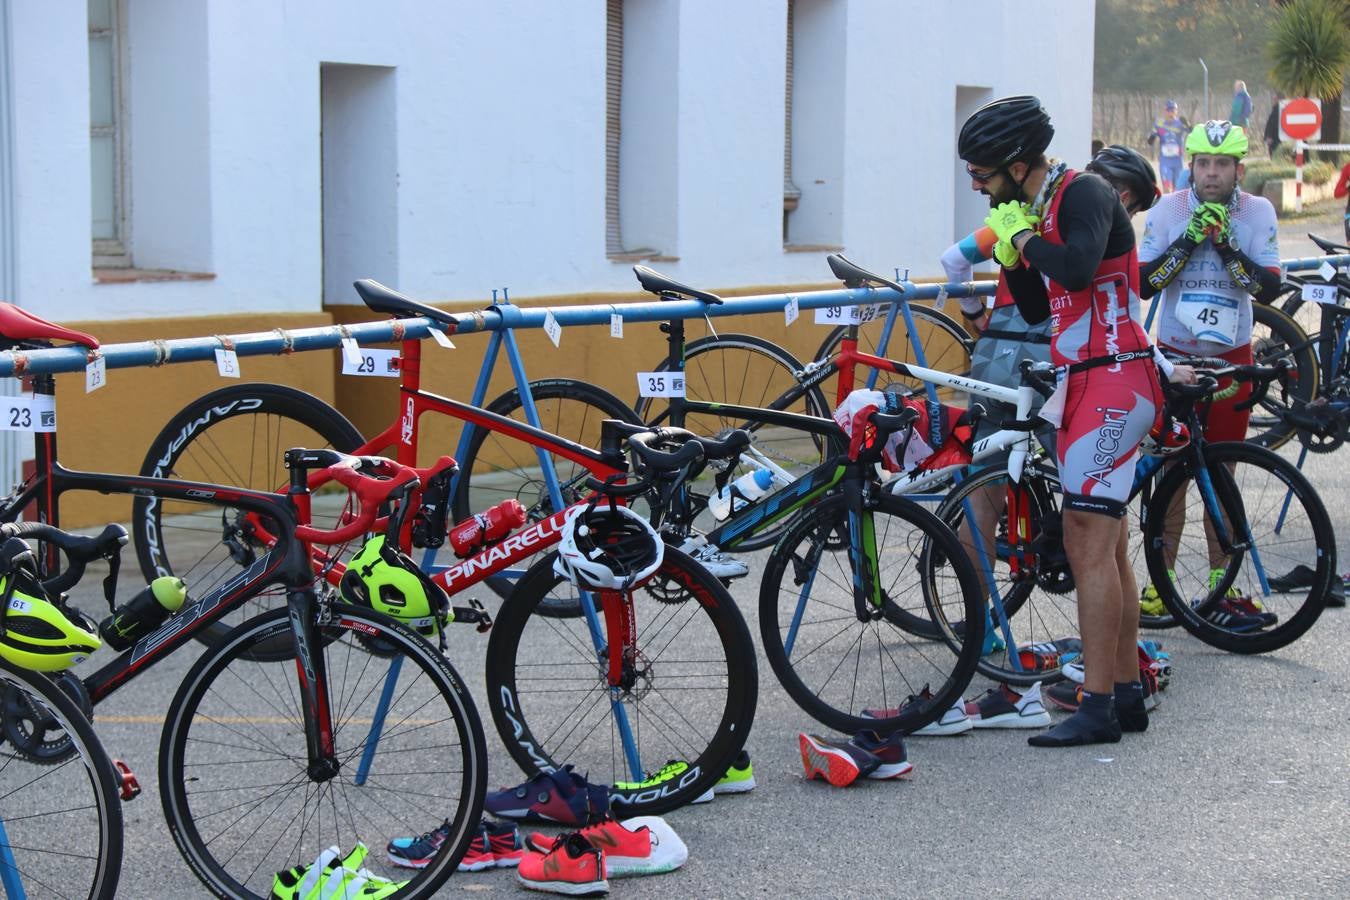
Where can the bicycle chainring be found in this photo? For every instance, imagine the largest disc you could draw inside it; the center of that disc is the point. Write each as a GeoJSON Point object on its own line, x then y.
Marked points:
{"type": "Point", "coordinates": [31, 731]}
{"type": "Point", "coordinates": [666, 589]}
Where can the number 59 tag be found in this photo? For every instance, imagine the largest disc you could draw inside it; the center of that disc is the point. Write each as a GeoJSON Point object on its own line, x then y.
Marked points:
{"type": "Point", "coordinates": [1320, 293]}
{"type": "Point", "coordinates": [660, 384]}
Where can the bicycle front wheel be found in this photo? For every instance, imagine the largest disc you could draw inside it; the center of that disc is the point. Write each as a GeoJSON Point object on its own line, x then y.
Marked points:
{"type": "Point", "coordinates": [852, 669]}
{"type": "Point", "coordinates": [1265, 584]}
{"type": "Point", "coordinates": [663, 737]}
{"type": "Point", "coordinates": [235, 778]}
{"type": "Point", "coordinates": [237, 436]}
{"type": "Point", "coordinates": [744, 370]}
{"type": "Point", "coordinates": [60, 818]}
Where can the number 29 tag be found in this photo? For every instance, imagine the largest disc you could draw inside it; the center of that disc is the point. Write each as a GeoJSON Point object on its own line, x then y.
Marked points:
{"type": "Point", "coordinates": [372, 362]}
{"type": "Point", "coordinates": [660, 384]}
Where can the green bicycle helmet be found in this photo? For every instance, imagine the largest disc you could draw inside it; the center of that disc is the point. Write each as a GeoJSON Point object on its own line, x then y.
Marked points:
{"type": "Point", "coordinates": [35, 633]}
{"type": "Point", "coordinates": [382, 578]}
{"type": "Point", "coordinates": [1218, 138]}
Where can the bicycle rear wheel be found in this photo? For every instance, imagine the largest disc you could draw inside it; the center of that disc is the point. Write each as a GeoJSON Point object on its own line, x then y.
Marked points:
{"type": "Point", "coordinates": [1275, 335]}
{"type": "Point", "coordinates": [744, 370]}
{"type": "Point", "coordinates": [1282, 556]}
{"type": "Point", "coordinates": [60, 818]}
{"type": "Point", "coordinates": [691, 700]}
{"type": "Point", "coordinates": [234, 772]}
{"type": "Point", "coordinates": [851, 674]}
{"type": "Point", "coordinates": [235, 436]}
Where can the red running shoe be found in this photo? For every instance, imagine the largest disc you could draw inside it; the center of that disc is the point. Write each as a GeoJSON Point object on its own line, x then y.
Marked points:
{"type": "Point", "coordinates": [644, 845]}
{"type": "Point", "coordinates": [838, 762]}
{"type": "Point", "coordinates": [572, 867]}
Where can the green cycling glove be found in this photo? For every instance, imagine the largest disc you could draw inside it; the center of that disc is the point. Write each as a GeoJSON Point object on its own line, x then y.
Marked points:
{"type": "Point", "coordinates": [1007, 255]}
{"type": "Point", "coordinates": [1010, 219]}
{"type": "Point", "coordinates": [1202, 220]}
{"type": "Point", "coordinates": [1220, 228]}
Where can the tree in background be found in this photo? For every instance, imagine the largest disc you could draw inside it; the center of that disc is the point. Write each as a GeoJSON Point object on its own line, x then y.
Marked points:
{"type": "Point", "coordinates": [1310, 54]}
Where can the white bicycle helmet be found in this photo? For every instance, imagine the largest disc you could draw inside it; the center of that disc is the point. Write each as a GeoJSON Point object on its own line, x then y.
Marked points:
{"type": "Point", "coordinates": [608, 548]}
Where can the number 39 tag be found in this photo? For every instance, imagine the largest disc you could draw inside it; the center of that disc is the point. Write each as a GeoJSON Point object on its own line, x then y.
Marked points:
{"type": "Point", "coordinates": [660, 384]}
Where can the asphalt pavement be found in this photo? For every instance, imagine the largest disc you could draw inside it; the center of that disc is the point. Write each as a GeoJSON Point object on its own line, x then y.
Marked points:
{"type": "Point", "coordinates": [1239, 788]}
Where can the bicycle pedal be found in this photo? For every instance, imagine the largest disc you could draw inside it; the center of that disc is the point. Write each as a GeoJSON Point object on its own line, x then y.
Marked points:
{"type": "Point", "coordinates": [474, 614]}
{"type": "Point", "coordinates": [129, 788]}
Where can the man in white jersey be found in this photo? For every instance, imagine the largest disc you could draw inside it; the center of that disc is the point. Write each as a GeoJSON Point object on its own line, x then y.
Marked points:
{"type": "Point", "coordinates": [1210, 250]}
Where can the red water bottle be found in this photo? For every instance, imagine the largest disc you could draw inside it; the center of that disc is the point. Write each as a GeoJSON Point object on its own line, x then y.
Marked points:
{"type": "Point", "coordinates": [476, 532]}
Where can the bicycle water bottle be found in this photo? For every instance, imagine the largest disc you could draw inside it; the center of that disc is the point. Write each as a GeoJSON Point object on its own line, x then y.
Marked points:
{"type": "Point", "coordinates": [740, 493]}
{"type": "Point", "coordinates": [143, 613]}
{"type": "Point", "coordinates": [476, 532]}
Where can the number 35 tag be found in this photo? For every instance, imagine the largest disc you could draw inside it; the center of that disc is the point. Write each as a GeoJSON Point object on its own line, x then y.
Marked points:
{"type": "Point", "coordinates": [660, 384]}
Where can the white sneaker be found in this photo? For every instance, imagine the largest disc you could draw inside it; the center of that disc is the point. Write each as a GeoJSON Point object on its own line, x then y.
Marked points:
{"type": "Point", "coordinates": [1073, 671]}
{"type": "Point", "coordinates": [718, 564]}
{"type": "Point", "coordinates": [1002, 707]}
{"type": "Point", "coordinates": [953, 721]}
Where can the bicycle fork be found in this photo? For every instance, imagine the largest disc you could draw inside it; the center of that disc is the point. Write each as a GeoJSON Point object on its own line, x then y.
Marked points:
{"type": "Point", "coordinates": [313, 675]}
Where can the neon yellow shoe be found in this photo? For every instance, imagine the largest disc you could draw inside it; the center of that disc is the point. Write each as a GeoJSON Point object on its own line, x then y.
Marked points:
{"type": "Point", "coordinates": [1150, 604]}
{"type": "Point", "coordinates": [671, 770]}
{"type": "Point", "coordinates": [1216, 576]}
{"type": "Point", "coordinates": [332, 876]}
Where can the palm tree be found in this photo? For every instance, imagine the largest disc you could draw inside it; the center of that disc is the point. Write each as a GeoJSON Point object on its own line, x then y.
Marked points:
{"type": "Point", "coordinates": [1310, 53]}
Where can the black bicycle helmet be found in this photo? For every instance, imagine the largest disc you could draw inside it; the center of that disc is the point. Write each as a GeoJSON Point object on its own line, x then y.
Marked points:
{"type": "Point", "coordinates": [1005, 130]}
{"type": "Point", "coordinates": [1127, 168]}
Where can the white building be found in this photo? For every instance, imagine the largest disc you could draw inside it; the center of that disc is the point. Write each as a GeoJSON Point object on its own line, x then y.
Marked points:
{"type": "Point", "coordinates": [252, 157]}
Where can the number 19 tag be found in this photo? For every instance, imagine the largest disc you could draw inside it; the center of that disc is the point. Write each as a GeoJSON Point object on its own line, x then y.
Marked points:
{"type": "Point", "coordinates": [1320, 293]}
{"type": "Point", "coordinates": [660, 384]}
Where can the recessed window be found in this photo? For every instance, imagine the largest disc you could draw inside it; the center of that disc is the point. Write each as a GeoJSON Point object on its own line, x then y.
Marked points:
{"type": "Point", "coordinates": [105, 138]}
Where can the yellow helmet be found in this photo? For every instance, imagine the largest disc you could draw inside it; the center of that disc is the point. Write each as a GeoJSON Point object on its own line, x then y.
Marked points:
{"type": "Point", "coordinates": [388, 581]}
{"type": "Point", "coordinates": [35, 633]}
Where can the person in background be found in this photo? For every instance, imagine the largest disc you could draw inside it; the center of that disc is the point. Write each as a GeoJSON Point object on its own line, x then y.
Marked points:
{"type": "Point", "coordinates": [1169, 132]}
{"type": "Point", "coordinates": [1343, 190]}
{"type": "Point", "coordinates": [1241, 113]}
{"type": "Point", "coordinates": [1272, 132]}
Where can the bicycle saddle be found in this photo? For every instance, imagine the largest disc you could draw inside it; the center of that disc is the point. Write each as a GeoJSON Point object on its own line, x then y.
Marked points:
{"type": "Point", "coordinates": [1328, 246]}
{"type": "Point", "coordinates": [390, 302]}
{"type": "Point", "coordinates": [18, 326]}
{"type": "Point", "coordinates": [668, 288]}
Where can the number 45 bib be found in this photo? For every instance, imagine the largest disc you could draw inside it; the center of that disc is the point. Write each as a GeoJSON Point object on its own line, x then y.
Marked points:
{"type": "Point", "coordinates": [1209, 317]}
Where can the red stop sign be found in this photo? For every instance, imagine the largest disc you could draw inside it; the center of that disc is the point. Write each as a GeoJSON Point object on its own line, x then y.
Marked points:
{"type": "Point", "coordinates": [1300, 119]}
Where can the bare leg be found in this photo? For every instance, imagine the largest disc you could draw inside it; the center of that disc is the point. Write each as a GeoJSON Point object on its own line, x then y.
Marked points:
{"type": "Point", "coordinates": [1089, 539]}
{"type": "Point", "coordinates": [1127, 657]}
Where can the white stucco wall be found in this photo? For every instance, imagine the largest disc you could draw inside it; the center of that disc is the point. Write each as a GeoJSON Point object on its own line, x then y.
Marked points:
{"type": "Point", "coordinates": [499, 152]}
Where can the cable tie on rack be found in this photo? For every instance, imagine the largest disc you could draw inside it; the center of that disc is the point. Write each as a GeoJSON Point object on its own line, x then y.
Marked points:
{"type": "Point", "coordinates": [287, 340]}
{"type": "Point", "coordinates": [20, 363]}
{"type": "Point", "coordinates": [226, 342]}
{"type": "Point", "coordinates": [161, 352]}
{"type": "Point", "coordinates": [399, 329]}
{"type": "Point", "coordinates": [91, 355]}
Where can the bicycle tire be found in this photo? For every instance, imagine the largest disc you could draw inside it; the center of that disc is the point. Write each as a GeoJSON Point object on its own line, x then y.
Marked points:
{"type": "Point", "coordinates": [79, 836]}
{"type": "Point", "coordinates": [189, 540]}
{"type": "Point", "coordinates": [803, 628]}
{"type": "Point", "coordinates": [1276, 335]}
{"type": "Point", "coordinates": [744, 370]}
{"type": "Point", "coordinates": [947, 347]}
{"type": "Point", "coordinates": [233, 710]}
{"type": "Point", "coordinates": [694, 702]}
{"type": "Point", "coordinates": [1254, 492]}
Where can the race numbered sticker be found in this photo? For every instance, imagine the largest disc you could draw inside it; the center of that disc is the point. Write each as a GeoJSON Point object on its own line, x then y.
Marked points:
{"type": "Point", "coordinates": [351, 351]}
{"type": "Point", "coordinates": [615, 325]}
{"type": "Point", "coordinates": [660, 384]}
{"type": "Point", "coordinates": [1321, 293]}
{"type": "Point", "coordinates": [441, 338]}
{"type": "Point", "coordinates": [227, 363]}
{"type": "Point", "coordinates": [1210, 317]}
{"type": "Point", "coordinates": [95, 374]}
{"type": "Point", "coordinates": [380, 363]}
{"type": "Point", "coordinates": [1327, 271]}
{"type": "Point", "coordinates": [792, 310]}
{"type": "Point", "coordinates": [846, 315]}
{"type": "Point", "coordinates": [28, 413]}
{"type": "Point", "coordinates": [552, 328]}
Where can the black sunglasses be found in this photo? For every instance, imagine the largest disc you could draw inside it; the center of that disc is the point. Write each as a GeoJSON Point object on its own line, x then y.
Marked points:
{"type": "Point", "coordinates": [981, 177]}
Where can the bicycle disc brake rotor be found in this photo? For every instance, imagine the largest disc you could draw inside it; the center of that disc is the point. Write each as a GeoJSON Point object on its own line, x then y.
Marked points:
{"type": "Point", "coordinates": [32, 731]}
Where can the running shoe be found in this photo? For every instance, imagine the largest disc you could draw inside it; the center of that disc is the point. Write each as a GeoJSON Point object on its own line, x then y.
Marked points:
{"type": "Point", "coordinates": [573, 866]}
{"type": "Point", "coordinates": [560, 796]}
{"type": "Point", "coordinates": [1150, 604]}
{"type": "Point", "coordinates": [1073, 671]}
{"type": "Point", "coordinates": [953, 721]}
{"type": "Point", "coordinates": [839, 762]}
{"type": "Point", "coordinates": [1002, 707]}
{"type": "Point", "coordinates": [1065, 695]}
{"type": "Point", "coordinates": [1240, 614]}
{"type": "Point", "coordinates": [644, 845]}
{"type": "Point", "coordinates": [1047, 656]}
{"type": "Point", "coordinates": [1233, 593]}
{"type": "Point", "coordinates": [889, 749]}
{"type": "Point", "coordinates": [1303, 577]}
{"type": "Point", "coordinates": [497, 844]}
{"type": "Point", "coordinates": [333, 875]}
{"type": "Point", "coordinates": [740, 779]}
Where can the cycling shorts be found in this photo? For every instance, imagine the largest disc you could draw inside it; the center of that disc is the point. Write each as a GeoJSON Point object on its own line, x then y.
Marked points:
{"type": "Point", "coordinates": [1106, 415]}
{"type": "Point", "coordinates": [1221, 419]}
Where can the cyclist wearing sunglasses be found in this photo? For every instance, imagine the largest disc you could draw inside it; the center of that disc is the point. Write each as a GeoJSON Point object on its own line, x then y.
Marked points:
{"type": "Point", "coordinates": [1067, 251]}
